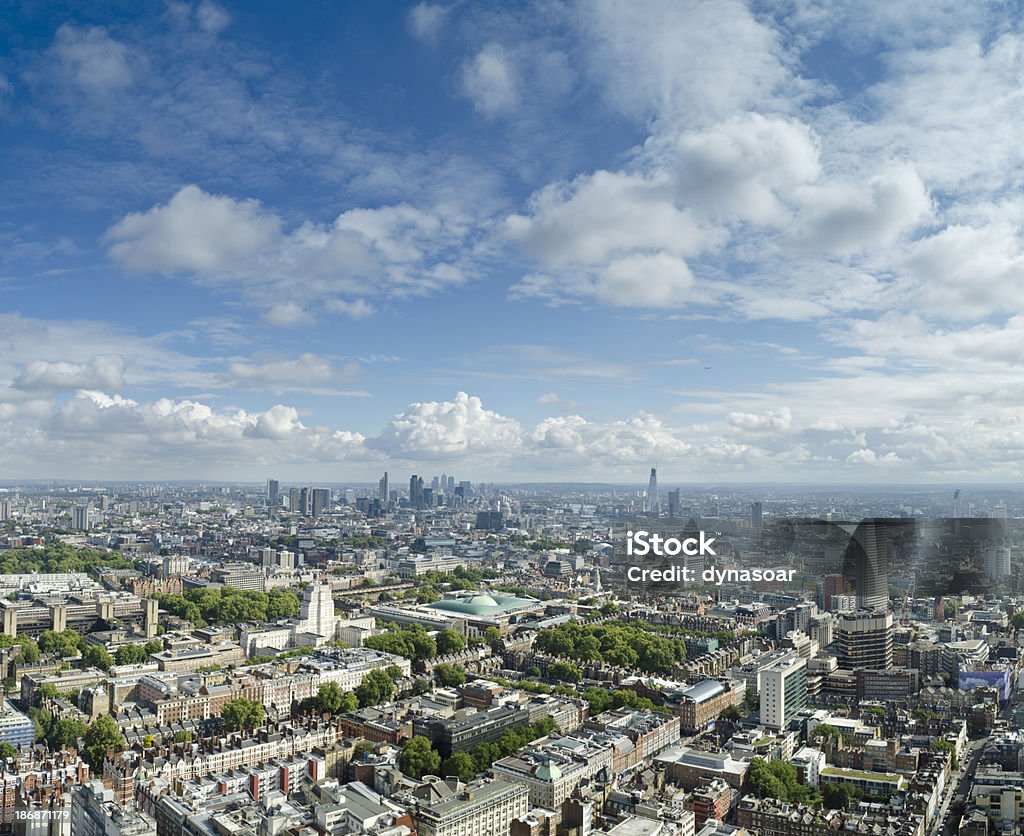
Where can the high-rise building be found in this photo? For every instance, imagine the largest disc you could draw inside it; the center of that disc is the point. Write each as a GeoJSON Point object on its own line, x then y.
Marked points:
{"type": "Point", "coordinates": [450, 488]}
{"type": "Point", "coordinates": [415, 491]}
{"type": "Point", "coordinates": [295, 500]}
{"type": "Point", "coordinates": [653, 506]}
{"type": "Point", "coordinates": [997, 559]}
{"type": "Point", "coordinates": [316, 613]}
{"type": "Point", "coordinates": [867, 553]}
{"type": "Point", "coordinates": [383, 489]}
{"type": "Point", "coordinates": [756, 518]}
{"type": "Point", "coordinates": [320, 501]}
{"type": "Point", "coordinates": [273, 493]}
{"type": "Point", "coordinates": [5, 510]}
{"type": "Point", "coordinates": [783, 689]}
{"type": "Point", "coordinates": [674, 508]}
{"type": "Point", "coordinates": [81, 517]}
{"type": "Point", "coordinates": [865, 640]}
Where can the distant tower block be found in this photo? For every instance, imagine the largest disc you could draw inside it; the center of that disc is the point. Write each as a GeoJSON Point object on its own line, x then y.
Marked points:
{"type": "Point", "coordinates": [58, 618]}
{"type": "Point", "coordinates": [653, 506]}
{"type": "Point", "coordinates": [10, 620]}
{"type": "Point", "coordinates": [151, 617]}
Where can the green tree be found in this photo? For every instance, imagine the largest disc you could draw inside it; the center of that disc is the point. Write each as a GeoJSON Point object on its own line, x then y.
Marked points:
{"type": "Point", "coordinates": [376, 688]}
{"type": "Point", "coordinates": [492, 636]}
{"type": "Point", "coordinates": [823, 730]}
{"type": "Point", "coordinates": [8, 751]}
{"type": "Point", "coordinates": [598, 698]}
{"type": "Point", "coordinates": [775, 779]}
{"type": "Point", "coordinates": [243, 713]}
{"type": "Point", "coordinates": [450, 675]}
{"type": "Point", "coordinates": [130, 654]}
{"type": "Point", "coordinates": [65, 643]}
{"type": "Point", "coordinates": [101, 735]}
{"type": "Point", "coordinates": [835, 796]}
{"type": "Point", "coordinates": [731, 714]}
{"type": "Point", "coordinates": [66, 732]}
{"type": "Point", "coordinates": [565, 671]}
{"type": "Point", "coordinates": [419, 757]}
{"type": "Point", "coordinates": [152, 646]}
{"type": "Point", "coordinates": [96, 656]}
{"type": "Point", "coordinates": [449, 641]}
{"type": "Point", "coordinates": [460, 764]}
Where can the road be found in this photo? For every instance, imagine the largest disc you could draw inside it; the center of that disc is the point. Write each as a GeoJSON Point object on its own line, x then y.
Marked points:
{"type": "Point", "coordinates": [957, 789]}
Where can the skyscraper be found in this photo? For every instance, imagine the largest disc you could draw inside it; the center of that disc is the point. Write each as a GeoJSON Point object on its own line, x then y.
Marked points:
{"type": "Point", "coordinates": [865, 640]}
{"type": "Point", "coordinates": [756, 518]}
{"type": "Point", "coordinates": [382, 489]}
{"type": "Point", "coordinates": [867, 560]}
{"type": "Point", "coordinates": [273, 493]}
{"type": "Point", "coordinates": [674, 508]}
{"type": "Point", "coordinates": [415, 491]}
{"type": "Point", "coordinates": [320, 501]}
{"type": "Point", "coordinates": [82, 517]}
{"type": "Point", "coordinates": [295, 500]}
{"type": "Point", "coordinates": [653, 506]}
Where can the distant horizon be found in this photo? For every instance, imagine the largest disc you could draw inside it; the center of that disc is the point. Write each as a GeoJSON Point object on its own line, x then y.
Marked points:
{"type": "Point", "coordinates": [882, 487]}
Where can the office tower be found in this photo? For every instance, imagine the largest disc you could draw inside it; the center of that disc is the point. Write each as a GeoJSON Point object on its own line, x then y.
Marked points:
{"type": "Point", "coordinates": [997, 559]}
{"type": "Point", "coordinates": [268, 557]}
{"type": "Point", "coordinates": [450, 487]}
{"type": "Point", "coordinates": [673, 503]}
{"type": "Point", "coordinates": [783, 689]}
{"type": "Point", "coordinates": [652, 493]}
{"type": "Point", "coordinates": [273, 493]}
{"type": "Point", "coordinates": [435, 484]}
{"type": "Point", "coordinates": [756, 518]}
{"type": "Point", "coordinates": [867, 554]}
{"type": "Point", "coordinates": [865, 640]}
{"type": "Point", "coordinates": [382, 488]}
{"type": "Point", "coordinates": [442, 486]}
{"type": "Point", "coordinates": [5, 511]}
{"type": "Point", "coordinates": [467, 489]}
{"type": "Point", "coordinates": [831, 585]}
{"type": "Point", "coordinates": [295, 500]}
{"type": "Point", "coordinates": [415, 491]}
{"type": "Point", "coordinates": [320, 501]}
{"type": "Point", "coordinates": [427, 498]}
{"type": "Point", "coordinates": [81, 517]}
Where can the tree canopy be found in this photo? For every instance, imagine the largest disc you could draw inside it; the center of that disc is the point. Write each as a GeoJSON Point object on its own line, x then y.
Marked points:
{"type": "Point", "coordinates": [419, 757]}
{"type": "Point", "coordinates": [225, 605]}
{"type": "Point", "coordinates": [376, 688]}
{"type": "Point", "coordinates": [59, 558]}
{"type": "Point", "coordinates": [101, 735]}
{"type": "Point", "coordinates": [622, 645]}
{"type": "Point", "coordinates": [243, 713]}
{"type": "Point", "coordinates": [412, 642]}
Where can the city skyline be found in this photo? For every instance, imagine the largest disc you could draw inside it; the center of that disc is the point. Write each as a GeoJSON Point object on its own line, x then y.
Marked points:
{"type": "Point", "coordinates": [546, 242]}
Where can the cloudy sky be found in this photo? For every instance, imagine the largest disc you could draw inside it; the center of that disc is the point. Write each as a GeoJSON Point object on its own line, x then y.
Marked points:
{"type": "Point", "coordinates": [535, 240]}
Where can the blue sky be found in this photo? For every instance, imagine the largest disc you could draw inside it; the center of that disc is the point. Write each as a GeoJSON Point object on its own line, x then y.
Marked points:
{"type": "Point", "coordinates": [537, 240]}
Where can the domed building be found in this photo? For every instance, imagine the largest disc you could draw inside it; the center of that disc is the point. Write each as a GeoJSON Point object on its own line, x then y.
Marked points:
{"type": "Point", "coordinates": [483, 610]}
